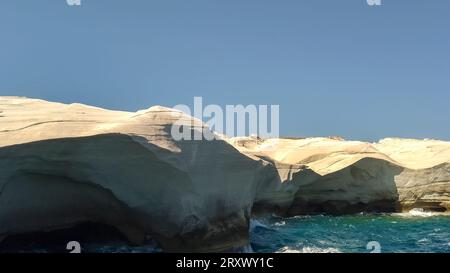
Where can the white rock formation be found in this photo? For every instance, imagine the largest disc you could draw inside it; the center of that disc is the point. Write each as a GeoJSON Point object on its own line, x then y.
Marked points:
{"type": "Point", "coordinates": [336, 176]}
{"type": "Point", "coordinates": [61, 165]}
{"type": "Point", "coordinates": [65, 164]}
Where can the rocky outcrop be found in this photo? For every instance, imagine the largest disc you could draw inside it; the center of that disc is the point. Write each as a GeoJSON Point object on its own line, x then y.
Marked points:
{"type": "Point", "coordinates": [64, 165]}
{"type": "Point", "coordinates": [330, 175]}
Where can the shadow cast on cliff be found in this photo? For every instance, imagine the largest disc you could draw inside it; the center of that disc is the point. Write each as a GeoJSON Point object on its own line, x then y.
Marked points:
{"type": "Point", "coordinates": [367, 185]}
{"type": "Point", "coordinates": [52, 185]}
{"type": "Point", "coordinates": [144, 191]}
{"type": "Point", "coordinates": [113, 180]}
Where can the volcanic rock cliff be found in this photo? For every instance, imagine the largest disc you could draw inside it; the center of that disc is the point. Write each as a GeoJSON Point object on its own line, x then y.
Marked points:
{"type": "Point", "coordinates": [62, 165]}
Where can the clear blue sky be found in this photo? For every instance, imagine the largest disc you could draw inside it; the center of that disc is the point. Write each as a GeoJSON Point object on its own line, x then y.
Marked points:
{"type": "Point", "coordinates": [334, 67]}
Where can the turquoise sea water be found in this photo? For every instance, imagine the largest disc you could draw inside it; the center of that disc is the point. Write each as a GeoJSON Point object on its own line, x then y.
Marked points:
{"type": "Point", "coordinates": [398, 232]}
{"type": "Point", "coordinates": [405, 232]}
{"type": "Point", "coordinates": [412, 232]}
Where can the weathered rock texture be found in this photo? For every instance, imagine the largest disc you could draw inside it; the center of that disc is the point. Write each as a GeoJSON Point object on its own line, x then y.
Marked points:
{"type": "Point", "coordinates": [62, 165]}
{"type": "Point", "coordinates": [326, 175]}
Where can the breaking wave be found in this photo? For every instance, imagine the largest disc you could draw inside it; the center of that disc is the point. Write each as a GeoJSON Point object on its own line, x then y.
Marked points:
{"type": "Point", "coordinates": [412, 232]}
{"type": "Point", "coordinates": [418, 213]}
{"type": "Point", "coordinates": [308, 250]}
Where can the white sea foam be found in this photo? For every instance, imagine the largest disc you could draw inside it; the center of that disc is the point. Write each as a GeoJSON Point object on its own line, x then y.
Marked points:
{"type": "Point", "coordinates": [422, 213]}
{"type": "Point", "coordinates": [281, 223]}
{"type": "Point", "coordinates": [418, 213]}
{"type": "Point", "coordinates": [308, 249]}
{"type": "Point", "coordinates": [424, 240]}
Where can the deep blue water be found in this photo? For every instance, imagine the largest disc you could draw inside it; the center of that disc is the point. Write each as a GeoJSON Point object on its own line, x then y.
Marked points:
{"type": "Point", "coordinates": [409, 232]}
{"type": "Point", "coordinates": [406, 232]}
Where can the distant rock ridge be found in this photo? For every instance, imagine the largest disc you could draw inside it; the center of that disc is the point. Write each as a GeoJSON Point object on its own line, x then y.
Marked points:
{"type": "Point", "coordinates": [66, 164]}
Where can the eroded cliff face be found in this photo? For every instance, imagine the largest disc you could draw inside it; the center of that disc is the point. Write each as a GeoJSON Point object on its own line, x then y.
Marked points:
{"type": "Point", "coordinates": [62, 165]}
{"type": "Point", "coordinates": [326, 175]}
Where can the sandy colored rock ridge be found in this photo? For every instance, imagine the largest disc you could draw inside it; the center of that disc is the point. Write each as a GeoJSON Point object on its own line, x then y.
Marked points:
{"type": "Point", "coordinates": [66, 164]}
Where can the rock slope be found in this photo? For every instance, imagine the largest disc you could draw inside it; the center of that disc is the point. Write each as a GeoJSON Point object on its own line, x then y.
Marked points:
{"type": "Point", "coordinates": [66, 164]}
